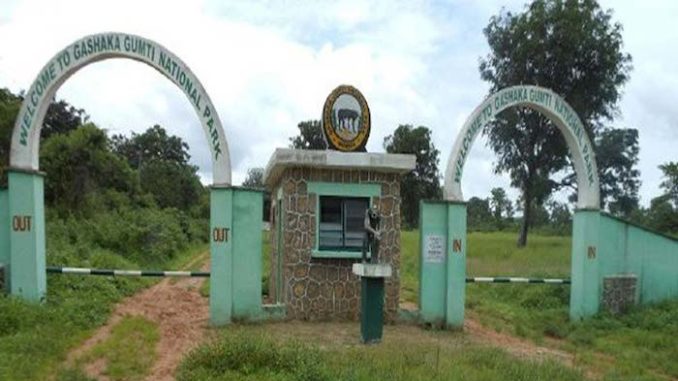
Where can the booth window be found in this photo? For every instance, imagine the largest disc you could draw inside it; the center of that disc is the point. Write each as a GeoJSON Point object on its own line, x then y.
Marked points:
{"type": "Point", "coordinates": [342, 223]}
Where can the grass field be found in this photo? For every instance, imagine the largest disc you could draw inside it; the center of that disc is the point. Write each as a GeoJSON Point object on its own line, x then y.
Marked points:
{"type": "Point", "coordinates": [330, 351]}
{"type": "Point", "coordinates": [34, 339]}
{"type": "Point", "coordinates": [640, 344]}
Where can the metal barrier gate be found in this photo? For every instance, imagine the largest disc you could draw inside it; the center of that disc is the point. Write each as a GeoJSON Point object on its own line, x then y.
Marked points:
{"type": "Point", "coordinates": [138, 273]}
{"type": "Point", "coordinates": [505, 279]}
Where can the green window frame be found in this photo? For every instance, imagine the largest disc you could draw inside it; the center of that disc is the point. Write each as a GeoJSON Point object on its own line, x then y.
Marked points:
{"type": "Point", "coordinates": [346, 191]}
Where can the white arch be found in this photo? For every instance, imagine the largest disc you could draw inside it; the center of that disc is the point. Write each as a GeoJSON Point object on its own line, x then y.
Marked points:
{"type": "Point", "coordinates": [26, 135]}
{"type": "Point", "coordinates": [552, 106]}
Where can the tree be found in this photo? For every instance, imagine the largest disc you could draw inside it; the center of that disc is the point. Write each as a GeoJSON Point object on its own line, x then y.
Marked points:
{"type": "Point", "coordinates": [9, 109]}
{"type": "Point", "coordinates": [79, 164]}
{"type": "Point", "coordinates": [62, 118]}
{"type": "Point", "coordinates": [570, 47]}
{"type": "Point", "coordinates": [478, 213]}
{"type": "Point", "coordinates": [662, 215]}
{"type": "Point", "coordinates": [670, 182]}
{"type": "Point", "coordinates": [424, 181]}
{"type": "Point", "coordinates": [502, 208]}
{"type": "Point", "coordinates": [617, 155]}
{"type": "Point", "coordinates": [255, 178]}
{"type": "Point", "coordinates": [560, 217]}
{"type": "Point", "coordinates": [162, 161]}
{"type": "Point", "coordinates": [310, 136]}
{"type": "Point", "coordinates": [152, 144]}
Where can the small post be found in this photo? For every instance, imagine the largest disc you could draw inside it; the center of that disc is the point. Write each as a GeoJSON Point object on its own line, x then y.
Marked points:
{"type": "Point", "coordinates": [372, 275]}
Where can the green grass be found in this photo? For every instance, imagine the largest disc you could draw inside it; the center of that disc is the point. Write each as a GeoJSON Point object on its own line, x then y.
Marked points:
{"type": "Point", "coordinates": [34, 339]}
{"type": "Point", "coordinates": [129, 352]}
{"type": "Point", "coordinates": [250, 353]}
{"type": "Point", "coordinates": [639, 344]}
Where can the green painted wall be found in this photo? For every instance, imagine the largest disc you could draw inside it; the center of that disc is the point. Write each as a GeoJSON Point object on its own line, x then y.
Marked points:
{"type": "Point", "coordinates": [585, 288]}
{"type": "Point", "coordinates": [247, 246]}
{"type": "Point", "coordinates": [221, 256]}
{"type": "Point", "coordinates": [456, 265]}
{"type": "Point", "coordinates": [27, 245]}
{"type": "Point", "coordinates": [235, 283]}
{"type": "Point", "coordinates": [432, 282]}
{"type": "Point", "coordinates": [4, 234]}
{"type": "Point", "coordinates": [625, 248]}
{"type": "Point", "coordinates": [442, 263]}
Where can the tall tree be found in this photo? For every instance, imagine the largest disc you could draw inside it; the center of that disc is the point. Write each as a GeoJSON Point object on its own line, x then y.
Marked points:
{"type": "Point", "coordinates": [152, 144]}
{"type": "Point", "coordinates": [162, 161]}
{"type": "Point", "coordinates": [80, 163]}
{"type": "Point", "coordinates": [571, 47]}
{"type": "Point", "coordinates": [255, 178]}
{"type": "Point", "coordinates": [62, 118]}
{"type": "Point", "coordinates": [500, 204]}
{"type": "Point", "coordinates": [670, 182]}
{"type": "Point", "coordinates": [617, 157]}
{"type": "Point", "coordinates": [9, 109]}
{"type": "Point", "coordinates": [424, 181]}
{"type": "Point", "coordinates": [479, 214]}
{"type": "Point", "coordinates": [502, 208]}
{"type": "Point", "coordinates": [310, 136]}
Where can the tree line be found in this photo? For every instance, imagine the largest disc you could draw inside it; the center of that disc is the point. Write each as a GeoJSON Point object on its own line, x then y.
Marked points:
{"type": "Point", "coordinates": [135, 195]}
{"type": "Point", "coordinates": [575, 49]}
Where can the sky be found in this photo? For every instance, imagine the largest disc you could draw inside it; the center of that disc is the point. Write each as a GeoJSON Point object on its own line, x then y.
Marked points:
{"type": "Point", "coordinates": [268, 65]}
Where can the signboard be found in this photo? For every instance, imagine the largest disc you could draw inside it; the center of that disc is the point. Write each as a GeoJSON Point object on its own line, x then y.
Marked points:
{"type": "Point", "coordinates": [346, 119]}
{"type": "Point", "coordinates": [434, 249]}
{"type": "Point", "coordinates": [94, 48]}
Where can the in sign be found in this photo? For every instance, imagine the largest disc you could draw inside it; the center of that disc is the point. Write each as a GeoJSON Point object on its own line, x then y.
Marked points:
{"type": "Point", "coordinates": [220, 234]}
{"type": "Point", "coordinates": [591, 252]}
{"type": "Point", "coordinates": [456, 246]}
{"type": "Point", "coordinates": [21, 223]}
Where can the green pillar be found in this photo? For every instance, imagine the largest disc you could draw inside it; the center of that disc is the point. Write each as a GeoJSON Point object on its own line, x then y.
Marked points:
{"type": "Point", "coordinates": [221, 255]}
{"type": "Point", "coordinates": [247, 248]}
{"type": "Point", "coordinates": [585, 288]}
{"type": "Point", "coordinates": [235, 248]}
{"type": "Point", "coordinates": [456, 265]}
{"type": "Point", "coordinates": [371, 309]}
{"type": "Point", "coordinates": [4, 235]}
{"type": "Point", "coordinates": [27, 235]}
{"type": "Point", "coordinates": [442, 286]}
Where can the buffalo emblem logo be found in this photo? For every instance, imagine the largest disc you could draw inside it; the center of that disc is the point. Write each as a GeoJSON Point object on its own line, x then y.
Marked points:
{"type": "Point", "coordinates": [346, 119]}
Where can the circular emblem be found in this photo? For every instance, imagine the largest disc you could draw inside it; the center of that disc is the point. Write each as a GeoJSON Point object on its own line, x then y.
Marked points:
{"type": "Point", "coordinates": [346, 119]}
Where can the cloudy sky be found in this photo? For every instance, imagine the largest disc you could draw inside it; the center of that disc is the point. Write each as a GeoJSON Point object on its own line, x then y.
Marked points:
{"type": "Point", "coordinates": [268, 65]}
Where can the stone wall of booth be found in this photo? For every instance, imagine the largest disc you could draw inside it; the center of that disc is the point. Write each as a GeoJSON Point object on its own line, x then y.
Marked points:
{"type": "Point", "coordinates": [325, 288]}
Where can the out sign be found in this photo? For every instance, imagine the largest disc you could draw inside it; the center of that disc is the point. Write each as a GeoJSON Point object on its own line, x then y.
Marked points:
{"type": "Point", "coordinates": [220, 234]}
{"type": "Point", "coordinates": [21, 223]}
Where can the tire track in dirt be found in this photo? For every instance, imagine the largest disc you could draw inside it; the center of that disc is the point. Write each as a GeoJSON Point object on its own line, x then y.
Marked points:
{"type": "Point", "coordinates": [182, 316]}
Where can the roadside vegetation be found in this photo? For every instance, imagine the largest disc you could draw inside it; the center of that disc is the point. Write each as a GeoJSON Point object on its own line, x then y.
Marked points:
{"type": "Point", "coordinates": [127, 355]}
{"type": "Point", "coordinates": [112, 202]}
{"type": "Point", "coordinates": [266, 352]}
{"type": "Point", "coordinates": [639, 344]}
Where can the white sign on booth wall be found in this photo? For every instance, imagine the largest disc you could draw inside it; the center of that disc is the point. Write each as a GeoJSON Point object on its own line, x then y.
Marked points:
{"type": "Point", "coordinates": [434, 249]}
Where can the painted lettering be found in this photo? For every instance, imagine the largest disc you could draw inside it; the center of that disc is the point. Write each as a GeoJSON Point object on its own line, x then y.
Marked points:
{"type": "Point", "coordinates": [220, 234]}
{"type": "Point", "coordinates": [21, 223]}
{"type": "Point", "coordinates": [456, 245]}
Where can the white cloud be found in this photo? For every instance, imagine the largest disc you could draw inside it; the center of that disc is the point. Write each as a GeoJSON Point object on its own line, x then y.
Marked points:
{"type": "Point", "coordinates": [268, 65]}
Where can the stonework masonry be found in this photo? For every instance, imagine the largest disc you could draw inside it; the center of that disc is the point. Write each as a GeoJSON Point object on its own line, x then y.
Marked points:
{"type": "Point", "coordinates": [324, 288]}
{"type": "Point", "coordinates": [619, 293]}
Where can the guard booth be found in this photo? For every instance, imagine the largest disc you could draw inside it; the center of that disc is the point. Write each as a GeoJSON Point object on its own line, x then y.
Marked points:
{"type": "Point", "coordinates": [319, 200]}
